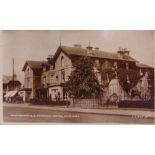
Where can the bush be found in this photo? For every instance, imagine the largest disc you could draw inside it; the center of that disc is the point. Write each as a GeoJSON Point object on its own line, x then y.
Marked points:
{"type": "Point", "coordinates": [136, 104]}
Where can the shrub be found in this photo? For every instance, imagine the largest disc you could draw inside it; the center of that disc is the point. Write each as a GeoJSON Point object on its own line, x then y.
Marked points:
{"type": "Point", "coordinates": [136, 104]}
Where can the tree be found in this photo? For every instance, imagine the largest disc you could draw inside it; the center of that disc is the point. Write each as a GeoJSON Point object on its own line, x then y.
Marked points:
{"type": "Point", "coordinates": [127, 84]}
{"type": "Point", "coordinates": [133, 77]}
{"type": "Point", "coordinates": [82, 82]}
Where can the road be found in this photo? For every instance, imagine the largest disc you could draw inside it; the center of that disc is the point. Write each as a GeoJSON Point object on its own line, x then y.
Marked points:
{"type": "Point", "coordinates": [28, 115]}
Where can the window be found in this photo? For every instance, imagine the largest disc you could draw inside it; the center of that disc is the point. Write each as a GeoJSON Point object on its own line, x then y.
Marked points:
{"type": "Point", "coordinates": [44, 68]}
{"type": "Point", "coordinates": [97, 63]}
{"type": "Point", "coordinates": [44, 80]}
{"type": "Point", "coordinates": [127, 65]}
{"type": "Point", "coordinates": [106, 64]}
{"type": "Point", "coordinates": [98, 75]}
{"type": "Point", "coordinates": [28, 71]}
{"type": "Point", "coordinates": [62, 61]}
{"type": "Point", "coordinates": [115, 64]}
{"type": "Point", "coordinates": [63, 75]}
{"type": "Point", "coordinates": [51, 67]}
{"type": "Point", "coordinates": [57, 78]}
{"type": "Point", "coordinates": [28, 83]}
{"type": "Point", "coordinates": [107, 77]}
{"type": "Point", "coordinates": [51, 79]}
{"type": "Point", "coordinates": [140, 72]}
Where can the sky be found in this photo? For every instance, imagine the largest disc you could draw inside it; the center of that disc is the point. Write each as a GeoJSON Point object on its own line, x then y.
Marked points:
{"type": "Point", "coordinates": [37, 45]}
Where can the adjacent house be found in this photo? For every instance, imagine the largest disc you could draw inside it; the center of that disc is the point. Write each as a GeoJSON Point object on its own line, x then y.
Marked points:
{"type": "Point", "coordinates": [32, 79]}
{"type": "Point", "coordinates": [6, 79]}
{"type": "Point", "coordinates": [10, 84]}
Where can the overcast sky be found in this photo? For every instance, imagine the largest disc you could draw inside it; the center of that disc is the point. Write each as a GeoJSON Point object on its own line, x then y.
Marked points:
{"type": "Point", "coordinates": [36, 45]}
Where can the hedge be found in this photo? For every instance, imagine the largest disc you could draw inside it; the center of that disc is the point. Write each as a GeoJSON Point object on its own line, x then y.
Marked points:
{"type": "Point", "coordinates": [136, 104]}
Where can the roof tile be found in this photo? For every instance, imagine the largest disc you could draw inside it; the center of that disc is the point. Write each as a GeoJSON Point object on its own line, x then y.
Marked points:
{"type": "Point", "coordinates": [94, 53]}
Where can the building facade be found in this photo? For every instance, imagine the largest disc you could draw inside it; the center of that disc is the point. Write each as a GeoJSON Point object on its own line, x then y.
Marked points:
{"type": "Point", "coordinates": [50, 82]}
{"type": "Point", "coordinates": [10, 84]}
{"type": "Point", "coordinates": [32, 79]}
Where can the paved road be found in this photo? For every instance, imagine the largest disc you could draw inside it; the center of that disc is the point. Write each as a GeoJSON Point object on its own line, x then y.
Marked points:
{"type": "Point", "coordinates": [28, 115]}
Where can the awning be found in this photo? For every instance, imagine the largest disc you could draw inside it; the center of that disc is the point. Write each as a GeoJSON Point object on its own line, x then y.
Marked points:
{"type": "Point", "coordinates": [11, 93]}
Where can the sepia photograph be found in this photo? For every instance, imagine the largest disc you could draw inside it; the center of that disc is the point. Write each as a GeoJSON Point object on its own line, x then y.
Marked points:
{"type": "Point", "coordinates": [78, 76]}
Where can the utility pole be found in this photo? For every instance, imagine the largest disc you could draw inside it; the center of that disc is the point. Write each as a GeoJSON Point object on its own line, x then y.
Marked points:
{"type": "Point", "coordinates": [13, 74]}
{"type": "Point", "coordinates": [60, 40]}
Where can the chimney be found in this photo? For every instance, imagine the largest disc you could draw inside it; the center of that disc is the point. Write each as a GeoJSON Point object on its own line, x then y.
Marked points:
{"type": "Point", "coordinates": [126, 52]}
{"type": "Point", "coordinates": [123, 51]}
{"type": "Point", "coordinates": [77, 45]}
{"type": "Point", "coordinates": [96, 49]}
{"type": "Point", "coordinates": [90, 48]}
{"type": "Point", "coordinates": [49, 57]}
{"type": "Point", "coordinates": [119, 53]}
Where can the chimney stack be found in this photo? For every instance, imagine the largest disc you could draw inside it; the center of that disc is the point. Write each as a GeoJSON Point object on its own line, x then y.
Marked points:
{"type": "Point", "coordinates": [96, 49]}
{"type": "Point", "coordinates": [123, 51]}
{"type": "Point", "coordinates": [49, 57]}
{"type": "Point", "coordinates": [77, 45]}
{"type": "Point", "coordinates": [90, 48]}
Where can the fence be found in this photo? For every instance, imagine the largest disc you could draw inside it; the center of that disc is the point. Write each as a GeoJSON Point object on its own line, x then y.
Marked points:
{"type": "Point", "coordinates": [90, 103]}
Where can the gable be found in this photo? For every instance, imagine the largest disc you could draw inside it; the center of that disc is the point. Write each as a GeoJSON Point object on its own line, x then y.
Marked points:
{"type": "Point", "coordinates": [62, 61]}
{"type": "Point", "coordinates": [36, 66]}
{"type": "Point", "coordinates": [57, 54]}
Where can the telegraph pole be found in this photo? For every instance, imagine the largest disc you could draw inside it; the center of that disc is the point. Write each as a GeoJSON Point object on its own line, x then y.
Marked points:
{"type": "Point", "coordinates": [13, 73]}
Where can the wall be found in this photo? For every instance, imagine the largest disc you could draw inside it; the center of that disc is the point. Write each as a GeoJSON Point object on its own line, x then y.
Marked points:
{"type": "Point", "coordinates": [28, 74]}
{"type": "Point", "coordinates": [58, 68]}
{"type": "Point", "coordinates": [36, 84]}
{"type": "Point", "coordinates": [57, 75]}
{"type": "Point", "coordinates": [46, 74]}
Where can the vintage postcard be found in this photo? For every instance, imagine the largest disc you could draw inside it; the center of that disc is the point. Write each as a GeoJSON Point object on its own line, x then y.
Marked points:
{"type": "Point", "coordinates": [78, 76]}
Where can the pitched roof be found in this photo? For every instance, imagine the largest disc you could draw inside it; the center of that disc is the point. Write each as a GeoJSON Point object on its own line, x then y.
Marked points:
{"type": "Point", "coordinates": [11, 93]}
{"type": "Point", "coordinates": [34, 65]}
{"type": "Point", "coordinates": [94, 53]}
{"type": "Point", "coordinates": [15, 82]}
{"type": "Point", "coordinates": [141, 65]}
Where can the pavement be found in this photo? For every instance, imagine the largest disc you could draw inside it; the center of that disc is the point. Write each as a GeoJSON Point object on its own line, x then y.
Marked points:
{"type": "Point", "coordinates": [140, 113]}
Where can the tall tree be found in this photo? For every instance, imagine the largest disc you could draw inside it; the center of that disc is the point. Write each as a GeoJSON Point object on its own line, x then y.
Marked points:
{"type": "Point", "coordinates": [83, 82]}
{"type": "Point", "coordinates": [127, 84]}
